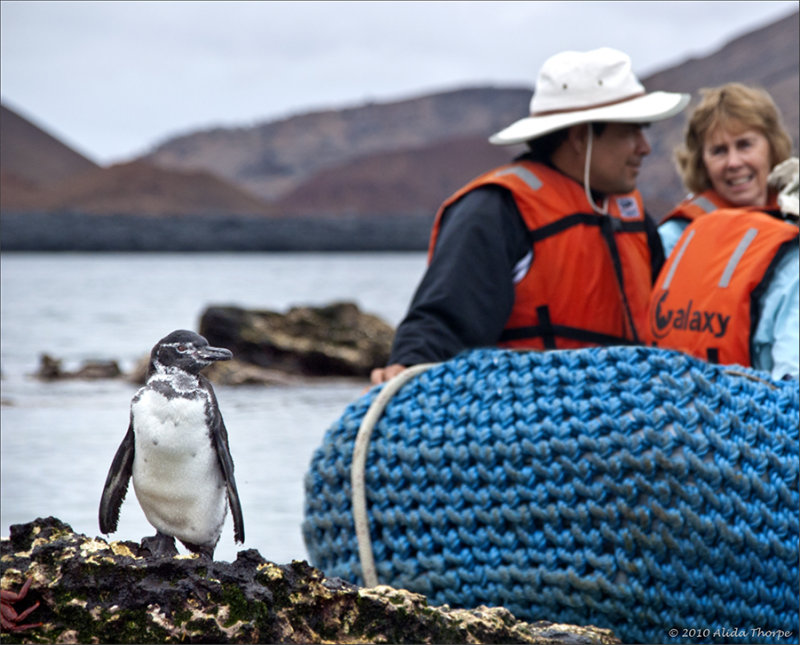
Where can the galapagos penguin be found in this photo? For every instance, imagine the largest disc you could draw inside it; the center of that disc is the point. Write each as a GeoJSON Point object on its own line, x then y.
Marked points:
{"type": "Point", "coordinates": [176, 450]}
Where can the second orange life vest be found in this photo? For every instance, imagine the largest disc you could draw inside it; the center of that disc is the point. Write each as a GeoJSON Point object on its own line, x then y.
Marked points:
{"type": "Point", "coordinates": [703, 300]}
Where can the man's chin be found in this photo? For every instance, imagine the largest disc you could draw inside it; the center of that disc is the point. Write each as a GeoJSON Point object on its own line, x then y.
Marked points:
{"type": "Point", "coordinates": [625, 188]}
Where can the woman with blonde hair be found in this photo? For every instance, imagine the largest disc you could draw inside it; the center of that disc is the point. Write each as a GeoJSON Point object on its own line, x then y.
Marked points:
{"type": "Point", "coordinates": [728, 291]}
{"type": "Point", "coordinates": [735, 136]}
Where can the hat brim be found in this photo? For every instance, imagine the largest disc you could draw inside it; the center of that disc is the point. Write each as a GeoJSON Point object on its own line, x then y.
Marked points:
{"type": "Point", "coordinates": [643, 109]}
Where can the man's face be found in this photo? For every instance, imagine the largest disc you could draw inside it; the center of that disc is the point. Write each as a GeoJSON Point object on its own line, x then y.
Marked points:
{"type": "Point", "coordinates": [617, 157]}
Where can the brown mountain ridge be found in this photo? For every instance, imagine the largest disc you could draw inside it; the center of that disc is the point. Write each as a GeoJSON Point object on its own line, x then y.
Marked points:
{"type": "Point", "coordinates": [140, 188]}
{"type": "Point", "coordinates": [320, 158]}
{"type": "Point", "coordinates": [41, 174]}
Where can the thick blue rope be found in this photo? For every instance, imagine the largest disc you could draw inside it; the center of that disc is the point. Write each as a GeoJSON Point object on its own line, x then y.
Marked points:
{"type": "Point", "coordinates": [630, 488]}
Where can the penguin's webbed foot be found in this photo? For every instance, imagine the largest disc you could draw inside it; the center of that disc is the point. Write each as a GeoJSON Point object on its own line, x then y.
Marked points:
{"type": "Point", "coordinates": [160, 545]}
{"type": "Point", "coordinates": [206, 552]}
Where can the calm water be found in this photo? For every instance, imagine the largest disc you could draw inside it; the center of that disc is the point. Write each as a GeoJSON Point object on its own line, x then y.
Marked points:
{"type": "Point", "coordinates": [58, 439]}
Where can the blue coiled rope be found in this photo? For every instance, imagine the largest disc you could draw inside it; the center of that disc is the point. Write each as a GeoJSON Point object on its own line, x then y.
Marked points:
{"type": "Point", "coordinates": [627, 487]}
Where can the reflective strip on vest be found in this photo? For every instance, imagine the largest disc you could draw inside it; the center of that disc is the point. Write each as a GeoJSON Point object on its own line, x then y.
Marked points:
{"type": "Point", "coordinates": [522, 267]}
{"type": "Point", "coordinates": [677, 261]}
{"type": "Point", "coordinates": [741, 248]}
{"type": "Point", "coordinates": [533, 182]}
{"type": "Point", "coordinates": [706, 204]}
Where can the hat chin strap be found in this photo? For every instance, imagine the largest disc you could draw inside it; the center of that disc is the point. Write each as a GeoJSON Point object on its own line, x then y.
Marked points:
{"type": "Point", "coordinates": [597, 209]}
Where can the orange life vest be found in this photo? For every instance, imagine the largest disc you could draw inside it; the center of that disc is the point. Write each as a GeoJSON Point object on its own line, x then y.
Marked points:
{"type": "Point", "coordinates": [590, 277]}
{"type": "Point", "coordinates": [703, 302]}
{"type": "Point", "coordinates": [704, 203]}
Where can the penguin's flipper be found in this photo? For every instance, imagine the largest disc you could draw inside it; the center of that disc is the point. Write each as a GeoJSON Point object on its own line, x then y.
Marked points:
{"type": "Point", "coordinates": [225, 459]}
{"type": "Point", "coordinates": [220, 437]}
{"type": "Point", "coordinates": [117, 483]}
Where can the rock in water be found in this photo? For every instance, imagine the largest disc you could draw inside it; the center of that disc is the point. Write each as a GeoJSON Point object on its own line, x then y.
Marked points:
{"type": "Point", "coordinates": [333, 340]}
{"type": "Point", "coordinates": [50, 369]}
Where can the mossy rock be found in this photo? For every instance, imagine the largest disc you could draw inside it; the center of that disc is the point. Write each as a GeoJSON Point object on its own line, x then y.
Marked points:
{"type": "Point", "coordinates": [93, 591]}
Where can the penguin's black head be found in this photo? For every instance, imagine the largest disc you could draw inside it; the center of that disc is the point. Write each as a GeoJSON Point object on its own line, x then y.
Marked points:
{"type": "Point", "coordinates": [186, 351]}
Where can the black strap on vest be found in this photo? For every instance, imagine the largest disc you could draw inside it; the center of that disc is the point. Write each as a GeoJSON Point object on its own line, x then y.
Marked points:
{"type": "Point", "coordinates": [548, 332]}
{"type": "Point", "coordinates": [712, 355]}
{"type": "Point", "coordinates": [588, 219]}
{"type": "Point", "coordinates": [608, 227]}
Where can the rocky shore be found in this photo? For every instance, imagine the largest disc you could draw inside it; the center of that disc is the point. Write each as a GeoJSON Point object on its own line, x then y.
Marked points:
{"type": "Point", "coordinates": [92, 591]}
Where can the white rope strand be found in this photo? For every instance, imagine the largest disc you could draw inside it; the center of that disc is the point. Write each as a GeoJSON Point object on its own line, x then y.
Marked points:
{"type": "Point", "coordinates": [586, 186]}
{"type": "Point", "coordinates": [359, 497]}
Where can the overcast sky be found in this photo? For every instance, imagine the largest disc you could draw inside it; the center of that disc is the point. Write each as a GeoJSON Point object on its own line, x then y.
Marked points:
{"type": "Point", "coordinates": [113, 79]}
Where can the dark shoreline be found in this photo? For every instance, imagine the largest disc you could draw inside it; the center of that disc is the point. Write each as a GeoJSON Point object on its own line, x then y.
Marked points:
{"type": "Point", "coordinates": [209, 233]}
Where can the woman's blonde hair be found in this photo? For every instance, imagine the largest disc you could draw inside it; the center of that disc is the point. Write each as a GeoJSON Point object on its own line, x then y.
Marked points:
{"type": "Point", "coordinates": [731, 106]}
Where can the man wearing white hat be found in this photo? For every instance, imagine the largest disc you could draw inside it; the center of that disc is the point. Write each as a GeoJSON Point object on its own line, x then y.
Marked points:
{"type": "Point", "coordinates": [554, 250]}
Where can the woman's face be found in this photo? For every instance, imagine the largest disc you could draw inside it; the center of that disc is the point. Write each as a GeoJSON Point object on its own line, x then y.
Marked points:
{"type": "Point", "coordinates": [738, 163]}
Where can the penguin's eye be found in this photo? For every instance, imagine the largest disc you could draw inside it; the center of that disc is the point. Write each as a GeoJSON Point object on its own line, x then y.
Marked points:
{"type": "Point", "coordinates": [181, 348]}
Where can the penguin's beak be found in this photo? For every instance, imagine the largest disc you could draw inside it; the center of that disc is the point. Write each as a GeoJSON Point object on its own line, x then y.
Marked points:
{"type": "Point", "coordinates": [211, 354]}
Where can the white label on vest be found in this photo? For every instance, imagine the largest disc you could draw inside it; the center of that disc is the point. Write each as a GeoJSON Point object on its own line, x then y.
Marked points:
{"type": "Point", "coordinates": [628, 207]}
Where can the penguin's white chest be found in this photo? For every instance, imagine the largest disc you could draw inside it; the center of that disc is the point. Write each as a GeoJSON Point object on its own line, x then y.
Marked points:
{"type": "Point", "coordinates": [176, 472]}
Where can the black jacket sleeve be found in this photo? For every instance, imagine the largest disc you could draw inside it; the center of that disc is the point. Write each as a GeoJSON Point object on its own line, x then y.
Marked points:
{"type": "Point", "coordinates": [466, 294]}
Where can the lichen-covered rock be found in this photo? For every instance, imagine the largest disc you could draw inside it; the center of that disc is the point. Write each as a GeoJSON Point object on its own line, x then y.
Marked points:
{"type": "Point", "coordinates": [333, 340]}
{"type": "Point", "coordinates": [92, 591]}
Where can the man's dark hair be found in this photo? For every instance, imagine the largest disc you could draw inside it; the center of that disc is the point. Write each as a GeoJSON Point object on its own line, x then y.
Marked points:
{"type": "Point", "coordinates": [542, 148]}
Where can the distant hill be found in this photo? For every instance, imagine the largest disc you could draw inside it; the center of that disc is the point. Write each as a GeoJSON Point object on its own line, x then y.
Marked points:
{"type": "Point", "coordinates": [32, 160]}
{"type": "Point", "coordinates": [275, 158]}
{"type": "Point", "coordinates": [333, 161]}
{"type": "Point", "coordinates": [377, 162]}
{"type": "Point", "coordinates": [139, 188]}
{"type": "Point", "coordinates": [407, 181]}
{"type": "Point", "coordinates": [41, 174]}
{"type": "Point", "coordinates": [32, 155]}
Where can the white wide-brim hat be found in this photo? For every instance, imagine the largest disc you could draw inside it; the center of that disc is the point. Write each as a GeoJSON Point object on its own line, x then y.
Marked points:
{"type": "Point", "coordinates": [581, 87]}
